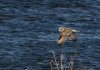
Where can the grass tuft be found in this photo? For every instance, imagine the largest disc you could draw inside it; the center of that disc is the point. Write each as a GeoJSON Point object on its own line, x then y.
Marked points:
{"type": "Point", "coordinates": [61, 64]}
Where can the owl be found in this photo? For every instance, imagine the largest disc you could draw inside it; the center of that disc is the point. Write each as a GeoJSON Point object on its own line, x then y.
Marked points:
{"type": "Point", "coordinates": [66, 34]}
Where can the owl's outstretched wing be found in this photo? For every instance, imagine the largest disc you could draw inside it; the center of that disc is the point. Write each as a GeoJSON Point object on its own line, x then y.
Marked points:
{"type": "Point", "coordinates": [61, 39]}
{"type": "Point", "coordinates": [72, 36]}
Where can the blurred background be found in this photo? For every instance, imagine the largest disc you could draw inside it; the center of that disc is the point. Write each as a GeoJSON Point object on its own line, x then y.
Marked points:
{"type": "Point", "coordinates": [29, 31]}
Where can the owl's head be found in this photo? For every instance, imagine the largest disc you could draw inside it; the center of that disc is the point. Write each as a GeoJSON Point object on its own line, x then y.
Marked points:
{"type": "Point", "coordinates": [61, 29]}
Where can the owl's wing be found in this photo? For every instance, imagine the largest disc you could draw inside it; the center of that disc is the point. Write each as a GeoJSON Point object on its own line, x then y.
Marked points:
{"type": "Point", "coordinates": [61, 39]}
{"type": "Point", "coordinates": [74, 30]}
{"type": "Point", "coordinates": [72, 36]}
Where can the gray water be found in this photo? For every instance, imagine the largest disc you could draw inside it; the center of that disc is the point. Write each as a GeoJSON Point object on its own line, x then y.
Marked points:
{"type": "Point", "coordinates": [29, 31]}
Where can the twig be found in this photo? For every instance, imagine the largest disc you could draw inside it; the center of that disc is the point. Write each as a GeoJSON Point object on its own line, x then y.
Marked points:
{"type": "Point", "coordinates": [51, 65]}
{"type": "Point", "coordinates": [56, 63]}
{"type": "Point", "coordinates": [62, 58]}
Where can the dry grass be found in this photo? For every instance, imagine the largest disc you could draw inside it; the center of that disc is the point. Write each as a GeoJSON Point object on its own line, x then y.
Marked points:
{"type": "Point", "coordinates": [61, 64]}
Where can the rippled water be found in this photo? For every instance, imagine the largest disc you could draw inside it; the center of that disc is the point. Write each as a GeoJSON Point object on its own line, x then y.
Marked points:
{"type": "Point", "coordinates": [29, 31]}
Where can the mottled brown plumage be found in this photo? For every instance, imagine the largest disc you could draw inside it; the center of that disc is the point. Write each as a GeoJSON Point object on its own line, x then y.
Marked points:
{"type": "Point", "coordinates": [66, 33]}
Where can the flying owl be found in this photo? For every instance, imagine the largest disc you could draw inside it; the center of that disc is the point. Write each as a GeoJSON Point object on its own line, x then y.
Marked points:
{"type": "Point", "coordinates": [66, 34]}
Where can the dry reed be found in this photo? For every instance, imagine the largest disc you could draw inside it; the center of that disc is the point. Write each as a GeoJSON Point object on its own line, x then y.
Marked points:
{"type": "Point", "coordinates": [61, 64]}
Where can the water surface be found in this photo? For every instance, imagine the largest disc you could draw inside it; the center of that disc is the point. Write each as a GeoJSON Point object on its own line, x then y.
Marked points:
{"type": "Point", "coordinates": [29, 31]}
